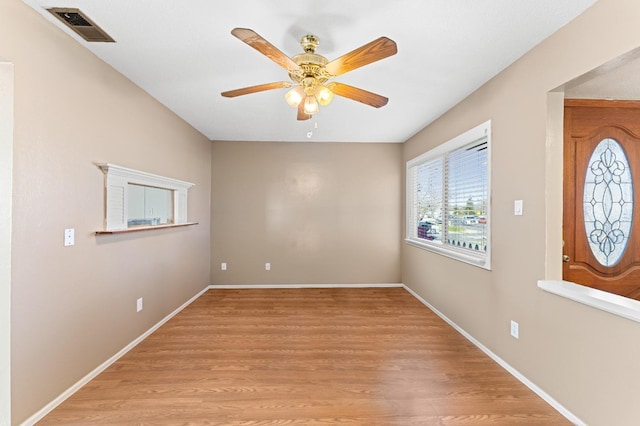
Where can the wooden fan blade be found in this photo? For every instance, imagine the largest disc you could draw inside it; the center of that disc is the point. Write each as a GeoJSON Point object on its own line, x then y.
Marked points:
{"type": "Point", "coordinates": [301, 114]}
{"type": "Point", "coordinates": [353, 93]}
{"type": "Point", "coordinates": [256, 41]}
{"type": "Point", "coordinates": [370, 52]}
{"type": "Point", "coordinates": [255, 89]}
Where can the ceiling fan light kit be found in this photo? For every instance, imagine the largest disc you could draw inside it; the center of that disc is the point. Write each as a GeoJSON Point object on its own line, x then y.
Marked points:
{"type": "Point", "coordinates": [311, 105]}
{"type": "Point", "coordinates": [310, 72]}
{"type": "Point", "coordinates": [324, 95]}
{"type": "Point", "coordinates": [294, 96]}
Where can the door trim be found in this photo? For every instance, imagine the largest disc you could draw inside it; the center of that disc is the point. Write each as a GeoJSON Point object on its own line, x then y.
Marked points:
{"type": "Point", "coordinates": [6, 191]}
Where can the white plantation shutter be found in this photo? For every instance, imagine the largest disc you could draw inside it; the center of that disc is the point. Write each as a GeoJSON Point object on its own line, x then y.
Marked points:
{"type": "Point", "coordinates": [116, 198]}
{"type": "Point", "coordinates": [448, 198]}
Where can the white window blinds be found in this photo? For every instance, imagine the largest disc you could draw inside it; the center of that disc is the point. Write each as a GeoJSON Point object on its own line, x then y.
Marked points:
{"type": "Point", "coordinates": [448, 198]}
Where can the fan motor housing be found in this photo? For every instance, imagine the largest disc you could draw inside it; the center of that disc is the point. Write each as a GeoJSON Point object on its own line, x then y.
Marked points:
{"type": "Point", "coordinates": [311, 65]}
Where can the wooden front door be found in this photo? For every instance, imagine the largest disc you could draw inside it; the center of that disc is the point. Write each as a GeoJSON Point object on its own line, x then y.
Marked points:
{"type": "Point", "coordinates": [601, 226]}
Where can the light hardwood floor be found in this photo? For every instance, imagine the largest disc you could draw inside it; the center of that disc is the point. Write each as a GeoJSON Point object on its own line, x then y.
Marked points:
{"type": "Point", "coordinates": [370, 356]}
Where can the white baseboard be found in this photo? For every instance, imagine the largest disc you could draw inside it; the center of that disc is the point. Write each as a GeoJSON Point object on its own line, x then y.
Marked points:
{"type": "Point", "coordinates": [515, 373]}
{"type": "Point", "coordinates": [240, 286]}
{"type": "Point", "coordinates": [86, 379]}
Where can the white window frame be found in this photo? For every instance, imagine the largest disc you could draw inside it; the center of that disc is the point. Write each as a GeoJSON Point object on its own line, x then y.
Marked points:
{"type": "Point", "coordinates": [117, 180]}
{"type": "Point", "coordinates": [480, 259]}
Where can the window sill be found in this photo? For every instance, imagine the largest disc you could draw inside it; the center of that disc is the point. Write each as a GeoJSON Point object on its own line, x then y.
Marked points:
{"type": "Point", "coordinates": [144, 228]}
{"type": "Point", "coordinates": [462, 256]}
{"type": "Point", "coordinates": [612, 303]}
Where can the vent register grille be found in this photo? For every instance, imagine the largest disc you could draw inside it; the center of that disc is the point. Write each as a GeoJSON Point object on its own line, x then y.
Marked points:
{"type": "Point", "coordinates": [81, 24]}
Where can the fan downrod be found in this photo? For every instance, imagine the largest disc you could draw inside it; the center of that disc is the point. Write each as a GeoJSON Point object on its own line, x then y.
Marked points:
{"type": "Point", "coordinates": [310, 43]}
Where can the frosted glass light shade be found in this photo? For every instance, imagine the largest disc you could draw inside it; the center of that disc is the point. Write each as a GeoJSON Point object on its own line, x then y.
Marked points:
{"type": "Point", "coordinates": [294, 96]}
{"type": "Point", "coordinates": [310, 105]}
{"type": "Point", "coordinates": [324, 95]}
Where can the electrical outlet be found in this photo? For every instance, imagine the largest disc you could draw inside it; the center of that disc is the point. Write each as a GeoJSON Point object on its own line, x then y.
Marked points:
{"type": "Point", "coordinates": [139, 305]}
{"type": "Point", "coordinates": [515, 329]}
{"type": "Point", "coordinates": [267, 266]}
{"type": "Point", "coordinates": [69, 237]}
{"type": "Point", "coordinates": [223, 266]}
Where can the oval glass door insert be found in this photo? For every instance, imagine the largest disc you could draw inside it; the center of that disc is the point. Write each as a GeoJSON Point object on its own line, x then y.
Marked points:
{"type": "Point", "coordinates": [608, 202]}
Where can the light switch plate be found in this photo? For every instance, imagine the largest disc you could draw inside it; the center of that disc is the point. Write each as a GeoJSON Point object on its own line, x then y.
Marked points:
{"type": "Point", "coordinates": [517, 207]}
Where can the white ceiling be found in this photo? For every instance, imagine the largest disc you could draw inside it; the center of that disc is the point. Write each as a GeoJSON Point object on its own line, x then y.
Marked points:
{"type": "Point", "coordinates": [182, 53]}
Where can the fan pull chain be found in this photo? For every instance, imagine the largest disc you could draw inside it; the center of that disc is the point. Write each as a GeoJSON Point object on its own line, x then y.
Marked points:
{"type": "Point", "coordinates": [310, 132]}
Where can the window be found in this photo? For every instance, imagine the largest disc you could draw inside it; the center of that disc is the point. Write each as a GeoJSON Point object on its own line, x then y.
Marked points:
{"type": "Point", "coordinates": [448, 196]}
{"type": "Point", "coordinates": [149, 206]}
{"type": "Point", "coordinates": [139, 199]}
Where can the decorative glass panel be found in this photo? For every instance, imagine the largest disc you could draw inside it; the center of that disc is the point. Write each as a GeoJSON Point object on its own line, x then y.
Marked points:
{"type": "Point", "coordinates": [608, 202]}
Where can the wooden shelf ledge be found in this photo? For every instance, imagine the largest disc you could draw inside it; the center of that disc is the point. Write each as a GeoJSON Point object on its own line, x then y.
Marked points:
{"type": "Point", "coordinates": [145, 228]}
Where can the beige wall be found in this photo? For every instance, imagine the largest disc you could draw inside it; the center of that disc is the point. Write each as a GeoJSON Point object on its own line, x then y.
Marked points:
{"type": "Point", "coordinates": [584, 358]}
{"type": "Point", "coordinates": [320, 213]}
{"type": "Point", "coordinates": [74, 307]}
{"type": "Point", "coordinates": [324, 213]}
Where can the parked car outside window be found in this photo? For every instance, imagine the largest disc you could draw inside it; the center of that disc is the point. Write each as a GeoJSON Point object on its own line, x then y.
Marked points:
{"type": "Point", "coordinates": [470, 220]}
{"type": "Point", "coordinates": [424, 231]}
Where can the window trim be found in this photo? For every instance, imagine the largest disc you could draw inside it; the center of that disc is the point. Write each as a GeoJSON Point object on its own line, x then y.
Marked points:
{"type": "Point", "coordinates": [483, 260]}
{"type": "Point", "coordinates": [117, 180]}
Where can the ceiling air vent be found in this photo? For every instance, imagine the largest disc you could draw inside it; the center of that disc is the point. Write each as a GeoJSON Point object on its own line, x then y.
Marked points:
{"type": "Point", "coordinates": [81, 24]}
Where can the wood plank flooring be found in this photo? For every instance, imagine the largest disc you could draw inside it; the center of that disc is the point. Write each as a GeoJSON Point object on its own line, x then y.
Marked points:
{"type": "Point", "coordinates": [370, 356]}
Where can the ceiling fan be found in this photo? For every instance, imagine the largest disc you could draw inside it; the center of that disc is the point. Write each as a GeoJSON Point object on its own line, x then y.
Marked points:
{"type": "Point", "coordinates": [309, 72]}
